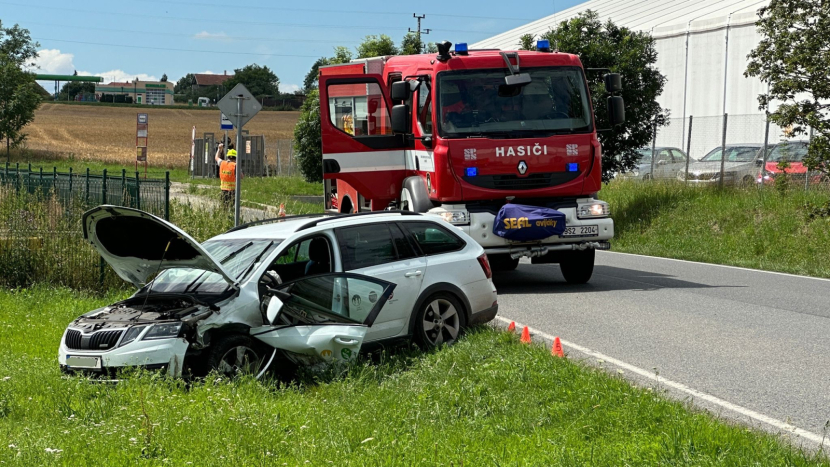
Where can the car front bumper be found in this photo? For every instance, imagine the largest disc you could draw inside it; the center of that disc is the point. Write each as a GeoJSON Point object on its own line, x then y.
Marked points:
{"type": "Point", "coordinates": [150, 354]}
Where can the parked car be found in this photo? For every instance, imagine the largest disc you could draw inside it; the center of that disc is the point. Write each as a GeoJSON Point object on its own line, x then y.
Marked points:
{"type": "Point", "coordinates": [791, 151]}
{"type": "Point", "coordinates": [739, 165]}
{"type": "Point", "coordinates": [667, 162]}
{"type": "Point", "coordinates": [309, 289]}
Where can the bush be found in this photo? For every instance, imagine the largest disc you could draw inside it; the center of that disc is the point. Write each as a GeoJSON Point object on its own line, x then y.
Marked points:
{"type": "Point", "coordinates": [308, 142]}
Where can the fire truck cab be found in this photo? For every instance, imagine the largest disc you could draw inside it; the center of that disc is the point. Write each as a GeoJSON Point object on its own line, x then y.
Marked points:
{"type": "Point", "coordinates": [472, 136]}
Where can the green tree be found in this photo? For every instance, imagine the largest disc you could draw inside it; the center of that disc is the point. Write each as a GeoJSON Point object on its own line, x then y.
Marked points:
{"type": "Point", "coordinates": [526, 42]}
{"type": "Point", "coordinates": [260, 80]}
{"type": "Point", "coordinates": [185, 84]}
{"type": "Point", "coordinates": [632, 55]}
{"type": "Point", "coordinates": [793, 57]}
{"type": "Point", "coordinates": [376, 46]}
{"type": "Point", "coordinates": [164, 78]}
{"type": "Point", "coordinates": [308, 142]}
{"type": "Point", "coordinates": [19, 97]}
{"type": "Point", "coordinates": [411, 44]}
{"type": "Point", "coordinates": [72, 88]}
{"type": "Point", "coordinates": [310, 81]}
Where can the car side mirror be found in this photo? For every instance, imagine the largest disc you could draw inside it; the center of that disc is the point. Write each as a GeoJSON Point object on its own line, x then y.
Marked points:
{"type": "Point", "coordinates": [400, 118]}
{"type": "Point", "coordinates": [273, 311]}
{"type": "Point", "coordinates": [518, 80]}
{"type": "Point", "coordinates": [613, 82]}
{"type": "Point", "coordinates": [400, 91]}
{"type": "Point", "coordinates": [759, 162]}
{"type": "Point", "coordinates": [662, 162]}
{"type": "Point", "coordinates": [616, 110]}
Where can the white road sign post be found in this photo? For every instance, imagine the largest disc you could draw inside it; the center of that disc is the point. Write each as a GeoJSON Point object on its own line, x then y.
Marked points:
{"type": "Point", "coordinates": [240, 105]}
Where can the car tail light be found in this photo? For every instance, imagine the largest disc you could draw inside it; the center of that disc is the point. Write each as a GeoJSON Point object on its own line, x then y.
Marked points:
{"type": "Point", "coordinates": [485, 265]}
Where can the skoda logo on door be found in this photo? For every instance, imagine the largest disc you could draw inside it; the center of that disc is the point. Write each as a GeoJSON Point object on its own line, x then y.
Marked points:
{"type": "Point", "coordinates": [522, 167]}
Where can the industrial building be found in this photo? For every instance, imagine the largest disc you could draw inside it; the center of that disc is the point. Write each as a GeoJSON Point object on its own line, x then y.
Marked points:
{"type": "Point", "coordinates": [702, 48]}
{"type": "Point", "coordinates": [141, 92]}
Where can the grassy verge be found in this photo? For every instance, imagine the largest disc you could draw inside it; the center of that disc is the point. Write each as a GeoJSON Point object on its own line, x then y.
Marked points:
{"type": "Point", "coordinates": [747, 227]}
{"type": "Point", "coordinates": [486, 401]}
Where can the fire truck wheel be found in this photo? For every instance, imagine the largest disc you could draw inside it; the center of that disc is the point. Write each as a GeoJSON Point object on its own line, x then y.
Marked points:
{"type": "Point", "coordinates": [503, 263]}
{"type": "Point", "coordinates": [578, 266]}
{"type": "Point", "coordinates": [414, 195]}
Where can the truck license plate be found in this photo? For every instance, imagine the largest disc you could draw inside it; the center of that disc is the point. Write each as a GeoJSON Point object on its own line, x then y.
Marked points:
{"type": "Point", "coordinates": [83, 362]}
{"type": "Point", "coordinates": [581, 231]}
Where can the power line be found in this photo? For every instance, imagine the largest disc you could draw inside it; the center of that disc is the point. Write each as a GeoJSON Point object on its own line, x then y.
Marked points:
{"type": "Point", "coordinates": [170, 49]}
{"type": "Point", "coordinates": [211, 20]}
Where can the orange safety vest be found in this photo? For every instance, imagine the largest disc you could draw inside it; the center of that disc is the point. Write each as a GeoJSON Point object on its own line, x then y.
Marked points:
{"type": "Point", "coordinates": [227, 176]}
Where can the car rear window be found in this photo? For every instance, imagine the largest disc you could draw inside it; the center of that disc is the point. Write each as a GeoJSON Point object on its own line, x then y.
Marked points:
{"type": "Point", "coordinates": [365, 246]}
{"type": "Point", "coordinates": [432, 238]}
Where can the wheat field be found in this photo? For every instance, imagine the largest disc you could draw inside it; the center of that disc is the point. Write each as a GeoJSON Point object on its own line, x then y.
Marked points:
{"type": "Point", "coordinates": [107, 134]}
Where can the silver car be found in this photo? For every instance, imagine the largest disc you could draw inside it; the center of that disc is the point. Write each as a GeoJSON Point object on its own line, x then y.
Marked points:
{"type": "Point", "coordinates": [667, 162]}
{"type": "Point", "coordinates": [739, 166]}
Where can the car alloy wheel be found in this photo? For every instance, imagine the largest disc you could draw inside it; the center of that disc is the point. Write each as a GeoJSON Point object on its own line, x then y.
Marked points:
{"type": "Point", "coordinates": [238, 360]}
{"type": "Point", "coordinates": [441, 320]}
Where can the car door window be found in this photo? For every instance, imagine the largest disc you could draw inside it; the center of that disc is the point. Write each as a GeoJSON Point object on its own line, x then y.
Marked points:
{"type": "Point", "coordinates": [293, 262]}
{"type": "Point", "coordinates": [358, 109]}
{"type": "Point", "coordinates": [433, 239]}
{"type": "Point", "coordinates": [425, 107]}
{"type": "Point", "coordinates": [403, 247]}
{"type": "Point", "coordinates": [365, 246]}
{"type": "Point", "coordinates": [678, 156]}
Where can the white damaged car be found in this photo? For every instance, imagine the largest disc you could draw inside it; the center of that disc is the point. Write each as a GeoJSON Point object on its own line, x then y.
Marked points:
{"type": "Point", "coordinates": [306, 289]}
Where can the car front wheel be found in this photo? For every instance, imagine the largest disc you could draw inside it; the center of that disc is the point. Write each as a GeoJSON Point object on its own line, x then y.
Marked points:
{"type": "Point", "coordinates": [235, 355]}
{"type": "Point", "coordinates": [439, 321]}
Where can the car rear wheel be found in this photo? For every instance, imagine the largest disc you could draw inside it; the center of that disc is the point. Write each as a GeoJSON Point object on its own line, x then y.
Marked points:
{"type": "Point", "coordinates": [440, 320]}
{"type": "Point", "coordinates": [747, 180]}
{"type": "Point", "coordinates": [234, 355]}
{"type": "Point", "coordinates": [578, 266]}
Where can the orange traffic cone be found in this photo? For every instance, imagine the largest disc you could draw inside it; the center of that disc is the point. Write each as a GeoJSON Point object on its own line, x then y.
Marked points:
{"type": "Point", "coordinates": [282, 210]}
{"type": "Point", "coordinates": [556, 349]}
{"type": "Point", "coordinates": [511, 327]}
{"type": "Point", "coordinates": [525, 339]}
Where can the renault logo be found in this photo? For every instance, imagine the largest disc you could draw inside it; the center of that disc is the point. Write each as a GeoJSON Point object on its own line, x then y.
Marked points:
{"type": "Point", "coordinates": [522, 167]}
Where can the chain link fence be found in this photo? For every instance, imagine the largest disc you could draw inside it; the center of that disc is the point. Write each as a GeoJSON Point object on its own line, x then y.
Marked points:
{"type": "Point", "coordinates": [41, 236]}
{"type": "Point", "coordinates": [266, 159]}
{"type": "Point", "coordinates": [727, 150]}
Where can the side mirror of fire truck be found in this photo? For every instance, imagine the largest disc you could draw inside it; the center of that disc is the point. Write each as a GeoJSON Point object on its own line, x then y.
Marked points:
{"type": "Point", "coordinates": [616, 110]}
{"type": "Point", "coordinates": [401, 91]}
{"type": "Point", "coordinates": [400, 118]}
{"type": "Point", "coordinates": [613, 82]}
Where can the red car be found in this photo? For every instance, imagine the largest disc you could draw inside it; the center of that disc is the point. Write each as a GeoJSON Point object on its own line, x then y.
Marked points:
{"type": "Point", "coordinates": [791, 151]}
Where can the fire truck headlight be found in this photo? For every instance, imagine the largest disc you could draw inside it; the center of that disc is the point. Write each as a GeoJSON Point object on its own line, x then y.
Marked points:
{"type": "Point", "coordinates": [593, 210]}
{"type": "Point", "coordinates": [453, 216]}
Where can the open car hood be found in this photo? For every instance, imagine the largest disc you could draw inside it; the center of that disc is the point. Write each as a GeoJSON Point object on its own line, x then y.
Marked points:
{"type": "Point", "coordinates": [138, 244]}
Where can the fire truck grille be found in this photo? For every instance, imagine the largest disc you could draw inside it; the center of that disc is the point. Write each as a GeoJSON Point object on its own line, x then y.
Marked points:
{"type": "Point", "coordinates": [515, 182]}
{"type": "Point", "coordinates": [101, 340]}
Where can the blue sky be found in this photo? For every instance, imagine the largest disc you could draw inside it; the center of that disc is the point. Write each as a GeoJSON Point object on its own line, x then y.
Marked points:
{"type": "Point", "coordinates": [146, 39]}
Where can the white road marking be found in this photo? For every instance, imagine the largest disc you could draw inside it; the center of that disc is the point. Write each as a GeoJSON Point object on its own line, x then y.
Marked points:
{"type": "Point", "coordinates": [774, 422]}
{"type": "Point", "coordinates": [718, 265]}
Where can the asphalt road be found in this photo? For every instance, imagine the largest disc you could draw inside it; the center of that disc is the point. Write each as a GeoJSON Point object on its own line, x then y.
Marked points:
{"type": "Point", "coordinates": [755, 339]}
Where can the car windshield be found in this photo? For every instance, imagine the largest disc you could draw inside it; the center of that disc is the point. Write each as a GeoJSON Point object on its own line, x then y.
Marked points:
{"type": "Point", "coordinates": [645, 154]}
{"type": "Point", "coordinates": [236, 256]}
{"type": "Point", "coordinates": [478, 103]}
{"type": "Point", "coordinates": [733, 154]}
{"type": "Point", "coordinates": [791, 152]}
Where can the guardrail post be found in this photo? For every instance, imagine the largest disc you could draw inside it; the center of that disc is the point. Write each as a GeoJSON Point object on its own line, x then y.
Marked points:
{"type": "Point", "coordinates": [723, 151]}
{"type": "Point", "coordinates": [167, 195]}
{"type": "Point", "coordinates": [137, 192]}
{"type": "Point", "coordinates": [104, 187]}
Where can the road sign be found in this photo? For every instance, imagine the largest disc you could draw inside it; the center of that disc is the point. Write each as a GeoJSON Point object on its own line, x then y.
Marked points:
{"type": "Point", "coordinates": [229, 105]}
{"type": "Point", "coordinates": [225, 123]}
{"type": "Point", "coordinates": [142, 119]}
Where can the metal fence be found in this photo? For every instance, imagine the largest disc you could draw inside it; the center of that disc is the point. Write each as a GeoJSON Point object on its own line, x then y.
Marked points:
{"type": "Point", "coordinates": [265, 158]}
{"type": "Point", "coordinates": [41, 237]}
{"type": "Point", "coordinates": [726, 150]}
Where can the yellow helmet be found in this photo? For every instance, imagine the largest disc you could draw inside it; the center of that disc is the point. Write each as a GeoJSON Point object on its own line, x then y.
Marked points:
{"type": "Point", "coordinates": [232, 153]}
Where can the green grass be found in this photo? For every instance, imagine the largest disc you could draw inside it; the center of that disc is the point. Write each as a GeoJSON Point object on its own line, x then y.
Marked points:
{"type": "Point", "coordinates": [745, 227]}
{"type": "Point", "coordinates": [486, 401]}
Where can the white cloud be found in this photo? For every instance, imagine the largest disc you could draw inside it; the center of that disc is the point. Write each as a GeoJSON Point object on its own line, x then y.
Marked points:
{"type": "Point", "coordinates": [120, 76]}
{"type": "Point", "coordinates": [289, 88]}
{"type": "Point", "coordinates": [53, 61]}
{"type": "Point", "coordinates": [208, 72]}
{"type": "Point", "coordinates": [214, 36]}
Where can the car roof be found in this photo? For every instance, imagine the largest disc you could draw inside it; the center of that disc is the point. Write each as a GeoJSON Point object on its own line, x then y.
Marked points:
{"type": "Point", "coordinates": [284, 228]}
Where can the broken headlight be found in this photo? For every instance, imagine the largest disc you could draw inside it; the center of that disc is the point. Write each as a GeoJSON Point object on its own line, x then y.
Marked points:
{"type": "Point", "coordinates": [163, 331]}
{"type": "Point", "coordinates": [131, 335]}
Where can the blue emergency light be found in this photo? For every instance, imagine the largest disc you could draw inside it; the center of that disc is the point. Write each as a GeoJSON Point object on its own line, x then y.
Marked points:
{"type": "Point", "coordinates": [461, 48]}
{"type": "Point", "coordinates": [573, 167]}
{"type": "Point", "coordinates": [472, 171]}
{"type": "Point", "coordinates": [543, 46]}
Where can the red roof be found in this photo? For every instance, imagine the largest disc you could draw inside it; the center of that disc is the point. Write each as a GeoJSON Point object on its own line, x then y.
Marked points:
{"type": "Point", "coordinates": [210, 80]}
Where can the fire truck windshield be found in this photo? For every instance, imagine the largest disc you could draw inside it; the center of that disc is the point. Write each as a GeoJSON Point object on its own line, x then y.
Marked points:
{"type": "Point", "coordinates": [478, 103]}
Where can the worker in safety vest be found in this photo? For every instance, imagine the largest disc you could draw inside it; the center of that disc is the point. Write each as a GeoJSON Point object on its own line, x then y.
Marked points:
{"type": "Point", "coordinates": [227, 173]}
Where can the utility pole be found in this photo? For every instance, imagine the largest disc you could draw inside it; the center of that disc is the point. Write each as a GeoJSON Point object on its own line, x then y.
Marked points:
{"type": "Point", "coordinates": [419, 31]}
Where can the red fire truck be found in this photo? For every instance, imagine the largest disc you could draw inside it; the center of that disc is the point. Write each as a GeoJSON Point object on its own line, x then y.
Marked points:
{"type": "Point", "coordinates": [465, 134]}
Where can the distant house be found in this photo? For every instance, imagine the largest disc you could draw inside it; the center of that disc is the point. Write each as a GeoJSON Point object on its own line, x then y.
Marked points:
{"type": "Point", "coordinates": [142, 92]}
{"type": "Point", "coordinates": [205, 80]}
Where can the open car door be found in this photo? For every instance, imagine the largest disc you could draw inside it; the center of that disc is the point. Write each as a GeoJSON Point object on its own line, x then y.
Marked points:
{"type": "Point", "coordinates": [323, 317]}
